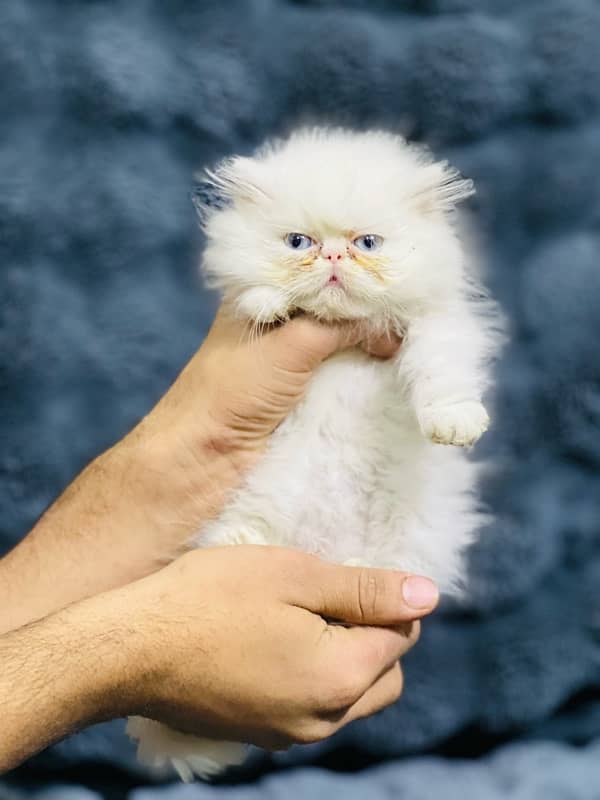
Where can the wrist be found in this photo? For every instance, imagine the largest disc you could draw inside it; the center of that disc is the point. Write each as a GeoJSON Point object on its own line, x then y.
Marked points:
{"type": "Point", "coordinates": [75, 664]}
{"type": "Point", "coordinates": [113, 655]}
{"type": "Point", "coordinates": [180, 474]}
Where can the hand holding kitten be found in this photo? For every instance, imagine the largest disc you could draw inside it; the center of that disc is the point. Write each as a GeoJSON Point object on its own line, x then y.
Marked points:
{"type": "Point", "coordinates": [242, 385]}
{"type": "Point", "coordinates": [134, 508]}
{"type": "Point", "coordinates": [252, 657]}
{"type": "Point", "coordinates": [224, 641]}
{"type": "Point", "coordinates": [357, 229]}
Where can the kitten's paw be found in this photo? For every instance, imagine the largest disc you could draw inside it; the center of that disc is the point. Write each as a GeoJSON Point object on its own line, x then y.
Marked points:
{"type": "Point", "coordinates": [454, 423]}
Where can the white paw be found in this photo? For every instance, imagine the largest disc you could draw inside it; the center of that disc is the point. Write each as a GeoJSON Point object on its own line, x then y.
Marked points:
{"type": "Point", "coordinates": [459, 423]}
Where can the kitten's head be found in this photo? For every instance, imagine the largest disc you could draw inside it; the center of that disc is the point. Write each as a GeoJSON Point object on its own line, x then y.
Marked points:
{"type": "Point", "coordinates": [339, 224]}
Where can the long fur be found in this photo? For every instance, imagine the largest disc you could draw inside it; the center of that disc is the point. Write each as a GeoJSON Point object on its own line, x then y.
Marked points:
{"type": "Point", "coordinates": [358, 473]}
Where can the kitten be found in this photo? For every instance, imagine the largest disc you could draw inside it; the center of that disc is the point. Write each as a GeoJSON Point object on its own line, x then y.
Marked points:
{"type": "Point", "coordinates": [352, 226]}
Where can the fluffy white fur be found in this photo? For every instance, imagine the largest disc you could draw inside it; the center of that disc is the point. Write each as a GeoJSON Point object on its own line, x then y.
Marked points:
{"type": "Point", "coordinates": [358, 473]}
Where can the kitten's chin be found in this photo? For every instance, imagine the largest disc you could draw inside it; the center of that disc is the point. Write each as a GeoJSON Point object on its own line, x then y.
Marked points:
{"type": "Point", "coordinates": [335, 305]}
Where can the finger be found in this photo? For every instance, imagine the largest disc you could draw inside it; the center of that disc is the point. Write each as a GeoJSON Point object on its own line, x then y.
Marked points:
{"type": "Point", "coordinates": [362, 595]}
{"type": "Point", "coordinates": [304, 341]}
{"type": "Point", "coordinates": [318, 340]}
{"type": "Point", "coordinates": [384, 346]}
{"type": "Point", "coordinates": [372, 650]}
{"type": "Point", "coordinates": [386, 690]}
{"type": "Point", "coordinates": [313, 341]}
{"type": "Point", "coordinates": [357, 657]}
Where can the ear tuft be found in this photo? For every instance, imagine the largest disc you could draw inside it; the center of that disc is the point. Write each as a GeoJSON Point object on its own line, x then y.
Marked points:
{"type": "Point", "coordinates": [453, 188]}
{"type": "Point", "coordinates": [208, 198]}
{"type": "Point", "coordinates": [233, 179]}
{"type": "Point", "coordinates": [442, 187]}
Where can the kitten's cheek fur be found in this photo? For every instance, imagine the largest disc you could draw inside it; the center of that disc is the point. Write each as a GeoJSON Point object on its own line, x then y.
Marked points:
{"type": "Point", "coordinates": [262, 304]}
{"type": "Point", "coordinates": [459, 424]}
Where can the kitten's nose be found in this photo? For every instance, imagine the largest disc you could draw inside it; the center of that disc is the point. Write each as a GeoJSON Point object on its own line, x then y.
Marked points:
{"type": "Point", "coordinates": [332, 254]}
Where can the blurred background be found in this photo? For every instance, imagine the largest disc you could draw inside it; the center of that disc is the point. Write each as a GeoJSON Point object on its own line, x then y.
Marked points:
{"type": "Point", "coordinates": [107, 109]}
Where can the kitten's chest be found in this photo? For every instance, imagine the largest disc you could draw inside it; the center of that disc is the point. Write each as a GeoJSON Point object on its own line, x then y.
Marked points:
{"type": "Point", "coordinates": [351, 396]}
{"type": "Point", "coordinates": [337, 470]}
{"type": "Point", "coordinates": [337, 459]}
{"type": "Point", "coordinates": [352, 418]}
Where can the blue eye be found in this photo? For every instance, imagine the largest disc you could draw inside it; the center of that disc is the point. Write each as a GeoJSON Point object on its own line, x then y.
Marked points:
{"type": "Point", "coordinates": [298, 241]}
{"type": "Point", "coordinates": [369, 242]}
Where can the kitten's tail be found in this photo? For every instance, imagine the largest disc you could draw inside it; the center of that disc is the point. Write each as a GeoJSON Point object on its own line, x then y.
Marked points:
{"type": "Point", "coordinates": [161, 747]}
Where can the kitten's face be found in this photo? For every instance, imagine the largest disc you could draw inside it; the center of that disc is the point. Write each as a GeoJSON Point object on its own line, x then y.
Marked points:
{"type": "Point", "coordinates": [337, 224]}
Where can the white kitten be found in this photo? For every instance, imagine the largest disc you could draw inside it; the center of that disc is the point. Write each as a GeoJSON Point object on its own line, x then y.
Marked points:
{"type": "Point", "coordinates": [344, 225]}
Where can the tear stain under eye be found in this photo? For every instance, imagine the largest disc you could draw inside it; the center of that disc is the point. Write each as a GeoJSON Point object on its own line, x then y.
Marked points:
{"type": "Point", "coordinates": [304, 263]}
{"type": "Point", "coordinates": [308, 261]}
{"type": "Point", "coordinates": [372, 265]}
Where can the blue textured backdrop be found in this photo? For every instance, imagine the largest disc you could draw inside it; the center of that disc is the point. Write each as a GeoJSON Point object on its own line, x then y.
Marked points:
{"type": "Point", "coordinates": [107, 110]}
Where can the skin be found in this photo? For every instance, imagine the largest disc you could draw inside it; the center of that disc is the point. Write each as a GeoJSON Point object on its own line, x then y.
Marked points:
{"type": "Point", "coordinates": [226, 642]}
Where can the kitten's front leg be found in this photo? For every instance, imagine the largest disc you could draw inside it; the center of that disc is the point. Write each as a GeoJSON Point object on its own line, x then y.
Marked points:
{"type": "Point", "coordinates": [442, 364]}
{"type": "Point", "coordinates": [460, 423]}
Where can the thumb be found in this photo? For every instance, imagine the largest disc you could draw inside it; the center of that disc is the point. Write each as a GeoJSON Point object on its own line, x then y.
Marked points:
{"type": "Point", "coordinates": [308, 342]}
{"type": "Point", "coordinates": [365, 596]}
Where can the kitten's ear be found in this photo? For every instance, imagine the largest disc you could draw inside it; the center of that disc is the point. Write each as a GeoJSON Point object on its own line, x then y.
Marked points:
{"type": "Point", "coordinates": [208, 198]}
{"type": "Point", "coordinates": [441, 187]}
{"type": "Point", "coordinates": [234, 179]}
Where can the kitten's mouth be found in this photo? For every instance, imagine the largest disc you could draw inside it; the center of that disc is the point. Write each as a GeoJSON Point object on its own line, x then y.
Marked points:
{"type": "Point", "coordinates": [335, 282]}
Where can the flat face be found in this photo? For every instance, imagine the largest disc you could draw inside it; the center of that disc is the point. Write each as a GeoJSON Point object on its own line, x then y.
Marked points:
{"type": "Point", "coordinates": [343, 225]}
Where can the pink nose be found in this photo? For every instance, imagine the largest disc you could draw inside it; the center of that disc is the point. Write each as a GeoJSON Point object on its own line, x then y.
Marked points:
{"type": "Point", "coordinates": [332, 254]}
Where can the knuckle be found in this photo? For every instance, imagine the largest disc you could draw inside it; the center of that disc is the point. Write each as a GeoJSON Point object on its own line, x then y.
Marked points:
{"type": "Point", "coordinates": [370, 592]}
{"type": "Point", "coordinates": [339, 694]}
{"type": "Point", "coordinates": [346, 692]}
{"type": "Point", "coordinates": [286, 562]}
{"type": "Point", "coordinates": [311, 731]}
{"type": "Point", "coordinates": [299, 569]}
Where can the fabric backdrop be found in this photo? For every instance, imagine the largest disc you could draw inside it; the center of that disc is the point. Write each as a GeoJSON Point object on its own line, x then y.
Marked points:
{"type": "Point", "coordinates": [107, 110]}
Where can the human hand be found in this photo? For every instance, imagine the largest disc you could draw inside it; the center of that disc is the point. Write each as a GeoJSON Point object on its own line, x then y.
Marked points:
{"type": "Point", "coordinates": [240, 385]}
{"type": "Point", "coordinates": [216, 419]}
{"type": "Point", "coordinates": [227, 642]}
{"type": "Point", "coordinates": [135, 507]}
{"type": "Point", "coordinates": [231, 643]}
